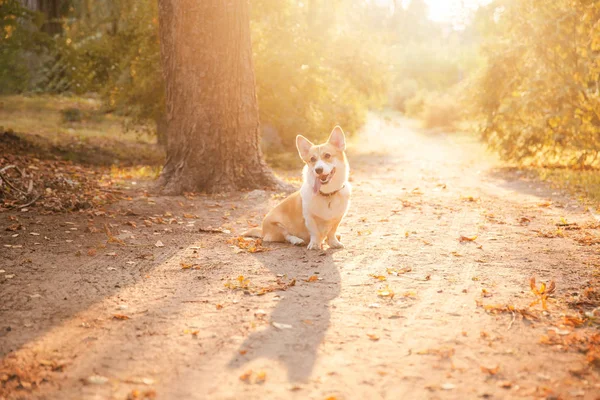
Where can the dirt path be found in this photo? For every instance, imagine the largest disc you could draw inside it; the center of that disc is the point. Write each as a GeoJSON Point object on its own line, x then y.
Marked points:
{"type": "Point", "coordinates": [338, 333]}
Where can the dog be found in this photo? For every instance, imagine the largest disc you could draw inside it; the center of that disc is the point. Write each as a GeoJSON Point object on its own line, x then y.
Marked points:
{"type": "Point", "coordinates": [313, 213]}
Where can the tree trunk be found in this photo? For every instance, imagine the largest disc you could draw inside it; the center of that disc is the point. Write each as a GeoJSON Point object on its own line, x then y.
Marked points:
{"type": "Point", "coordinates": [212, 111]}
{"type": "Point", "coordinates": [52, 11]}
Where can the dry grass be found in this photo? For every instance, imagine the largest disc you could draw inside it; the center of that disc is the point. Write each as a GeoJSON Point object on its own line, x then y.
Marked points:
{"type": "Point", "coordinates": [44, 115]}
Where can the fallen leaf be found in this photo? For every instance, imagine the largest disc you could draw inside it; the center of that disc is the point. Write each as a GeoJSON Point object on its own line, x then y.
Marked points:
{"type": "Point", "coordinates": [245, 377]}
{"type": "Point", "coordinates": [398, 271]}
{"type": "Point", "coordinates": [373, 337]}
{"type": "Point", "coordinates": [490, 371]}
{"type": "Point", "coordinates": [312, 278]}
{"type": "Point", "coordinates": [378, 277]}
{"type": "Point", "coordinates": [159, 244]}
{"type": "Point", "coordinates": [387, 292]}
{"type": "Point", "coordinates": [261, 377]}
{"type": "Point", "coordinates": [120, 317]}
{"type": "Point", "coordinates": [467, 238]}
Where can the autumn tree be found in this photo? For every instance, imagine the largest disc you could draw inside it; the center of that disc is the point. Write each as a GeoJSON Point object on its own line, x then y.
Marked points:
{"type": "Point", "coordinates": [212, 112]}
{"type": "Point", "coordinates": [539, 93]}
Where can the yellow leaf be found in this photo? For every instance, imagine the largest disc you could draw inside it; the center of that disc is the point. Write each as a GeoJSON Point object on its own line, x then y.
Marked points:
{"type": "Point", "coordinates": [387, 292]}
{"type": "Point", "coordinates": [261, 377]}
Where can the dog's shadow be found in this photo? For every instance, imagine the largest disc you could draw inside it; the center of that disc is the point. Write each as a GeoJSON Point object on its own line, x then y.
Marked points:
{"type": "Point", "coordinates": [298, 323]}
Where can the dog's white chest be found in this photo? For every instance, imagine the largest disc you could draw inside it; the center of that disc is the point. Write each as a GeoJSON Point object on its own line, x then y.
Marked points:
{"type": "Point", "coordinates": [327, 207]}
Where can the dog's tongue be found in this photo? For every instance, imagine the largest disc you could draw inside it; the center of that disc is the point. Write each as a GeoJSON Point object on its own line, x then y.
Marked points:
{"type": "Point", "coordinates": [317, 185]}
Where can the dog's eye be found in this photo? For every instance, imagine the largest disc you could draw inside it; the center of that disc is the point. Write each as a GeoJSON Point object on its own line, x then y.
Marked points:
{"type": "Point", "coordinates": [327, 156]}
{"type": "Point", "coordinates": [313, 159]}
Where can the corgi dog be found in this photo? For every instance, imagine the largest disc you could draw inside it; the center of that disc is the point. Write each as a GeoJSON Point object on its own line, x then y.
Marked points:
{"type": "Point", "coordinates": [313, 213]}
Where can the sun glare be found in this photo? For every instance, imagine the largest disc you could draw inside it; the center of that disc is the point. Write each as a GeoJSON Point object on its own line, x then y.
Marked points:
{"type": "Point", "coordinates": [451, 11]}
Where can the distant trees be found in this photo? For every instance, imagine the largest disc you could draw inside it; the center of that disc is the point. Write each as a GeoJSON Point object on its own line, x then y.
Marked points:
{"type": "Point", "coordinates": [539, 93]}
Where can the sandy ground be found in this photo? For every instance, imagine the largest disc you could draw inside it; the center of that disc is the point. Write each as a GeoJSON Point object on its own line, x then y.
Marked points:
{"type": "Point", "coordinates": [159, 310]}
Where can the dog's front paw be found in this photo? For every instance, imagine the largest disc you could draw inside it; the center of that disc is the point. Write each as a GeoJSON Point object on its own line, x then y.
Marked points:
{"type": "Point", "coordinates": [313, 245]}
{"type": "Point", "coordinates": [335, 244]}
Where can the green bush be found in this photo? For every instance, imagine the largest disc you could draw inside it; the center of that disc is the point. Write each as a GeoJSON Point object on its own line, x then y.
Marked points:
{"type": "Point", "coordinates": [435, 109]}
{"type": "Point", "coordinates": [401, 93]}
{"type": "Point", "coordinates": [306, 83]}
{"type": "Point", "coordinates": [538, 94]}
{"type": "Point", "coordinates": [22, 46]}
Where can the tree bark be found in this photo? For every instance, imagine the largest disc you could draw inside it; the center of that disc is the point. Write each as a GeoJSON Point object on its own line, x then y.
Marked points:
{"type": "Point", "coordinates": [212, 111]}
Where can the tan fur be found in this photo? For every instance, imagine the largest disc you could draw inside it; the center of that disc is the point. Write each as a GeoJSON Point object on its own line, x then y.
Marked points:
{"type": "Point", "coordinates": [306, 217]}
{"type": "Point", "coordinates": [285, 219]}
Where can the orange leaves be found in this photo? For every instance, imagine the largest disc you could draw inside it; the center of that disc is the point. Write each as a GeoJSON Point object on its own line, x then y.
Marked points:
{"type": "Point", "coordinates": [506, 308]}
{"type": "Point", "coordinates": [111, 238]}
{"type": "Point", "coordinates": [280, 285]}
{"type": "Point", "coordinates": [312, 278]}
{"type": "Point", "coordinates": [240, 283]}
{"type": "Point", "coordinates": [120, 317]}
{"type": "Point", "coordinates": [442, 352]}
{"type": "Point", "coordinates": [373, 337]}
{"type": "Point", "coordinates": [469, 199]}
{"type": "Point", "coordinates": [398, 271]}
{"type": "Point", "coordinates": [467, 238]}
{"type": "Point", "coordinates": [378, 277]}
{"type": "Point", "coordinates": [249, 245]}
{"type": "Point", "coordinates": [189, 266]}
{"type": "Point", "coordinates": [245, 377]}
{"type": "Point", "coordinates": [490, 370]}
{"type": "Point", "coordinates": [386, 292]}
{"type": "Point", "coordinates": [542, 293]}
{"type": "Point", "coordinates": [259, 378]}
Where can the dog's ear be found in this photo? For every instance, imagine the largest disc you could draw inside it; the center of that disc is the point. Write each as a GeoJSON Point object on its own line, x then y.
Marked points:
{"type": "Point", "coordinates": [337, 138]}
{"type": "Point", "coordinates": [303, 145]}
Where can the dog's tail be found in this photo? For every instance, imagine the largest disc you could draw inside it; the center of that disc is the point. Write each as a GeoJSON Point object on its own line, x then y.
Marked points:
{"type": "Point", "coordinates": [254, 232]}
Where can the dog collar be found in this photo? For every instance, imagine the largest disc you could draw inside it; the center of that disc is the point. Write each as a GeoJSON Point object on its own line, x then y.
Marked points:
{"type": "Point", "coordinates": [332, 193]}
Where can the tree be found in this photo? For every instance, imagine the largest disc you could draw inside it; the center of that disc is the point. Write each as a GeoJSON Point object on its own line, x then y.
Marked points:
{"type": "Point", "coordinates": [212, 111]}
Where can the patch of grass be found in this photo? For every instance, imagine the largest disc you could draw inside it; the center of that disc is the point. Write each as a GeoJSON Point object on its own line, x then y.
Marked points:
{"type": "Point", "coordinates": [57, 117]}
{"type": "Point", "coordinates": [585, 184]}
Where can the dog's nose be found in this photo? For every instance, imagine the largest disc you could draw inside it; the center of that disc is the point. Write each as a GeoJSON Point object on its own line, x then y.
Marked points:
{"type": "Point", "coordinates": [319, 170]}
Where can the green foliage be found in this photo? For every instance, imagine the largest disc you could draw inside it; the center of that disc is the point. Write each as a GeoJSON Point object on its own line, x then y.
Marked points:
{"type": "Point", "coordinates": [308, 83]}
{"type": "Point", "coordinates": [435, 109]}
{"type": "Point", "coordinates": [539, 93]}
{"type": "Point", "coordinates": [20, 43]}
